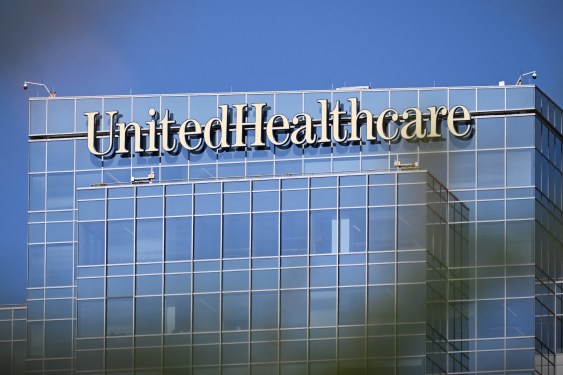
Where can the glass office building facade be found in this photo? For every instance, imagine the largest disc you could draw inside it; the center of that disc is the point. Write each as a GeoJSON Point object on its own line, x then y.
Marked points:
{"type": "Point", "coordinates": [322, 259]}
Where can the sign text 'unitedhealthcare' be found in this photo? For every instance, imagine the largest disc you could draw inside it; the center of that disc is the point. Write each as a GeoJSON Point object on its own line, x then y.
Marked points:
{"type": "Point", "coordinates": [230, 130]}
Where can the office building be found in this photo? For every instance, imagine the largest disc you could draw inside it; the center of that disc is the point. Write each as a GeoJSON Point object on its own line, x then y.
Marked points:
{"type": "Point", "coordinates": [349, 231]}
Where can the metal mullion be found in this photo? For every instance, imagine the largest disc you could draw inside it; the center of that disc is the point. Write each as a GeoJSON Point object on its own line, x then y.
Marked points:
{"type": "Point", "coordinates": [366, 263]}
{"type": "Point", "coordinates": [222, 212]}
{"type": "Point", "coordinates": [279, 272]}
{"type": "Point", "coordinates": [338, 208]}
{"type": "Point", "coordinates": [396, 224]}
{"type": "Point", "coordinates": [105, 276]}
{"type": "Point", "coordinates": [191, 347]}
{"type": "Point", "coordinates": [134, 298]}
{"type": "Point", "coordinates": [249, 339]}
{"type": "Point", "coordinates": [162, 270]}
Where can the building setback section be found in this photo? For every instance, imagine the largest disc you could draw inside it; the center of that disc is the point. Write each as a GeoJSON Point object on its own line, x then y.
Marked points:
{"type": "Point", "coordinates": [328, 258]}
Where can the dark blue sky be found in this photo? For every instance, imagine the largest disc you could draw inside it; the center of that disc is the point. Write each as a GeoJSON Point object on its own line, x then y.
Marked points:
{"type": "Point", "coordinates": [114, 47]}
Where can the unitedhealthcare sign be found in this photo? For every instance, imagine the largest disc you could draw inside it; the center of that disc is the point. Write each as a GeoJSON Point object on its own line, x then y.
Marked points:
{"type": "Point", "coordinates": [230, 129]}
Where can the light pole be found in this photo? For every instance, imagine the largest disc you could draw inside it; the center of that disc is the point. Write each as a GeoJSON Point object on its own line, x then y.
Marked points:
{"type": "Point", "coordinates": [26, 84]}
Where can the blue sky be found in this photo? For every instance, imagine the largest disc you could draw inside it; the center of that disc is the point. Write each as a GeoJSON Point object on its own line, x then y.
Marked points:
{"type": "Point", "coordinates": [114, 47]}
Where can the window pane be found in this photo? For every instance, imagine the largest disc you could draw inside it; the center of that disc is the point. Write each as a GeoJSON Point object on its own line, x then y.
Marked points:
{"type": "Point", "coordinates": [294, 233]}
{"type": "Point", "coordinates": [120, 241]}
{"type": "Point", "coordinates": [91, 241]}
{"type": "Point", "coordinates": [59, 265]}
{"type": "Point", "coordinates": [490, 169]}
{"type": "Point", "coordinates": [235, 311]}
{"type": "Point", "coordinates": [148, 316]}
{"type": "Point", "coordinates": [236, 228]}
{"type": "Point", "coordinates": [177, 314]}
{"type": "Point", "coordinates": [90, 318]}
{"type": "Point", "coordinates": [381, 228]}
{"type": "Point", "coordinates": [60, 191]}
{"type": "Point", "coordinates": [206, 312]}
{"type": "Point", "coordinates": [323, 307]}
{"type": "Point", "coordinates": [149, 240]}
{"type": "Point", "coordinates": [265, 234]}
{"type": "Point", "coordinates": [58, 338]}
{"type": "Point", "coordinates": [323, 232]}
{"type": "Point", "coordinates": [353, 230]}
{"type": "Point", "coordinates": [178, 241]}
{"type": "Point", "coordinates": [207, 237]}
{"type": "Point", "coordinates": [119, 317]}
{"type": "Point", "coordinates": [293, 308]}
{"type": "Point", "coordinates": [265, 310]}
{"type": "Point", "coordinates": [351, 306]}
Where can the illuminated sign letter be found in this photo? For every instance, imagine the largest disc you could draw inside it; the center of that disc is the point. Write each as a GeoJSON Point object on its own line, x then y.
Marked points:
{"type": "Point", "coordinates": [193, 132]}
{"type": "Point", "coordinates": [223, 124]}
{"type": "Point", "coordinates": [122, 133]}
{"type": "Point", "coordinates": [417, 130]}
{"type": "Point", "coordinates": [165, 124]}
{"type": "Point", "coordinates": [92, 132]}
{"type": "Point", "coordinates": [270, 130]}
{"type": "Point", "coordinates": [381, 124]}
{"type": "Point", "coordinates": [355, 122]}
{"type": "Point", "coordinates": [307, 130]}
{"type": "Point", "coordinates": [240, 125]}
{"type": "Point", "coordinates": [463, 118]}
{"type": "Point", "coordinates": [434, 113]}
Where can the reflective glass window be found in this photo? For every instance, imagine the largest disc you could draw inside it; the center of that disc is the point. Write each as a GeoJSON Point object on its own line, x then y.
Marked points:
{"type": "Point", "coordinates": [381, 228]}
{"type": "Point", "coordinates": [520, 131]}
{"type": "Point", "coordinates": [264, 310]}
{"type": "Point", "coordinates": [149, 240]}
{"type": "Point", "coordinates": [59, 267]}
{"type": "Point", "coordinates": [322, 307]}
{"type": "Point", "coordinates": [178, 238]}
{"type": "Point", "coordinates": [119, 319]}
{"type": "Point", "coordinates": [177, 314]}
{"type": "Point", "coordinates": [38, 116]}
{"type": "Point", "coordinates": [490, 319]}
{"type": "Point", "coordinates": [323, 239]}
{"type": "Point", "coordinates": [91, 243]}
{"type": "Point", "coordinates": [206, 312]}
{"type": "Point", "coordinates": [520, 167]}
{"type": "Point", "coordinates": [37, 192]}
{"type": "Point", "coordinates": [119, 286]}
{"type": "Point", "coordinates": [490, 169]}
{"type": "Point", "coordinates": [462, 170]}
{"type": "Point", "coordinates": [90, 318]}
{"type": "Point", "coordinates": [208, 204]}
{"type": "Point", "coordinates": [294, 233]}
{"type": "Point", "coordinates": [120, 241]}
{"type": "Point", "coordinates": [148, 315]}
{"type": "Point", "coordinates": [293, 309]}
{"type": "Point", "coordinates": [59, 155]}
{"type": "Point", "coordinates": [235, 311]}
{"type": "Point", "coordinates": [236, 231]}
{"type": "Point", "coordinates": [351, 306]}
{"type": "Point", "coordinates": [490, 132]}
{"type": "Point", "coordinates": [179, 205]}
{"type": "Point", "coordinates": [35, 265]}
{"type": "Point", "coordinates": [207, 237]}
{"type": "Point", "coordinates": [265, 234]}
{"type": "Point", "coordinates": [149, 207]}
{"type": "Point", "coordinates": [265, 201]}
{"type": "Point", "coordinates": [60, 116]}
{"type": "Point", "coordinates": [490, 99]}
{"type": "Point", "coordinates": [60, 191]}
{"type": "Point", "coordinates": [58, 338]}
{"type": "Point", "coordinates": [294, 199]}
{"type": "Point", "coordinates": [352, 230]}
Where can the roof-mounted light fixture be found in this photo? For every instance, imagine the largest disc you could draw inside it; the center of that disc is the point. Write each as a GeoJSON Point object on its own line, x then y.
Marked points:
{"type": "Point", "coordinates": [532, 73]}
{"type": "Point", "coordinates": [26, 84]}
